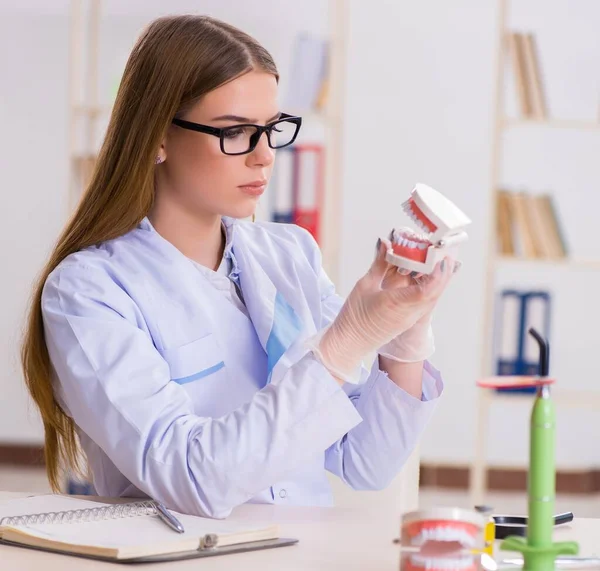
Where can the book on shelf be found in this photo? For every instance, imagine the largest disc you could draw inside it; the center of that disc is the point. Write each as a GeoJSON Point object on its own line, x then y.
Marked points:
{"type": "Point", "coordinates": [309, 80]}
{"type": "Point", "coordinates": [524, 59]}
{"type": "Point", "coordinates": [528, 225]}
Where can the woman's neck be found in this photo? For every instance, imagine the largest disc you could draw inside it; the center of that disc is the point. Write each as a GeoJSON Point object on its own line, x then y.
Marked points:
{"type": "Point", "coordinates": [200, 238]}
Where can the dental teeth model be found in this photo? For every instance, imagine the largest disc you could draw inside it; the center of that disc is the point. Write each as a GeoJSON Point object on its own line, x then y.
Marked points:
{"type": "Point", "coordinates": [444, 526]}
{"type": "Point", "coordinates": [442, 224]}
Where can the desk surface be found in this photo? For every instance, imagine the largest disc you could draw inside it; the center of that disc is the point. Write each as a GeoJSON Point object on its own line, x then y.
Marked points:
{"type": "Point", "coordinates": [329, 538]}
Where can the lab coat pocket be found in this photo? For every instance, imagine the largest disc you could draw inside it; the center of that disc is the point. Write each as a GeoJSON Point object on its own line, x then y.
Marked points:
{"type": "Point", "coordinates": [195, 360]}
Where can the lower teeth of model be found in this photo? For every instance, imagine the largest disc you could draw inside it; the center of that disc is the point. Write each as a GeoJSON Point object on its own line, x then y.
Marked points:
{"type": "Point", "coordinates": [442, 563]}
{"type": "Point", "coordinates": [412, 244]}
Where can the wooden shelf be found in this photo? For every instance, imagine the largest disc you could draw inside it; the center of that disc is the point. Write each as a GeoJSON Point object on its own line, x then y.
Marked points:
{"type": "Point", "coordinates": [566, 262]}
{"type": "Point", "coordinates": [565, 398]}
{"type": "Point", "coordinates": [92, 111]}
{"type": "Point", "coordinates": [553, 124]}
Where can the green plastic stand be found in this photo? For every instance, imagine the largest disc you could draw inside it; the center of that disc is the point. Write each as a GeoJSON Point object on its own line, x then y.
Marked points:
{"type": "Point", "coordinates": [539, 551]}
{"type": "Point", "coordinates": [539, 558]}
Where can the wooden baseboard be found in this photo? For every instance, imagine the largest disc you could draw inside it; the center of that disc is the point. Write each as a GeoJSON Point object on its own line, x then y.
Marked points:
{"type": "Point", "coordinates": [507, 479]}
{"type": "Point", "coordinates": [21, 455]}
{"type": "Point", "coordinates": [432, 475]}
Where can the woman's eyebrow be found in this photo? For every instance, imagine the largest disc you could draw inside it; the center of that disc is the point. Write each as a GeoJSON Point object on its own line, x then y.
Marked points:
{"type": "Point", "coordinates": [239, 119]}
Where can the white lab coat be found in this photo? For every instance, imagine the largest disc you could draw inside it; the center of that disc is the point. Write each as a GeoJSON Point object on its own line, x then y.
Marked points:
{"type": "Point", "coordinates": [180, 396]}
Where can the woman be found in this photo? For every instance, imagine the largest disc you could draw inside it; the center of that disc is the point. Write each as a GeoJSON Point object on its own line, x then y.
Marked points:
{"type": "Point", "coordinates": [201, 359]}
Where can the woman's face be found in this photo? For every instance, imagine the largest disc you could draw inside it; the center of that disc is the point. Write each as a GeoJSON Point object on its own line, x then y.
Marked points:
{"type": "Point", "coordinates": [197, 175]}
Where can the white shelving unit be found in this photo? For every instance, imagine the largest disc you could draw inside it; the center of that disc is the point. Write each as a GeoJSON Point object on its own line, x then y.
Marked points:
{"type": "Point", "coordinates": [486, 398]}
{"type": "Point", "coordinates": [84, 110]}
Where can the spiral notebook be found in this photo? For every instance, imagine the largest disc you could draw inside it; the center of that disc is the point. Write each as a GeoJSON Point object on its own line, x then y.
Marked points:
{"type": "Point", "coordinates": [123, 533]}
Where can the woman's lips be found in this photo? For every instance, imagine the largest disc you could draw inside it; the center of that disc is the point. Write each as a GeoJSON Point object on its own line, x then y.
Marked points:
{"type": "Point", "coordinates": [254, 188]}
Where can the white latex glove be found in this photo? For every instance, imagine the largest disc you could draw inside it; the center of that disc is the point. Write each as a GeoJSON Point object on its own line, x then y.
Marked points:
{"type": "Point", "coordinates": [413, 345]}
{"type": "Point", "coordinates": [417, 343]}
{"type": "Point", "coordinates": [383, 304]}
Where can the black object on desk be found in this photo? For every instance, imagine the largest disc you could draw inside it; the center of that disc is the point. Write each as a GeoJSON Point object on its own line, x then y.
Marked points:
{"type": "Point", "coordinates": [506, 525]}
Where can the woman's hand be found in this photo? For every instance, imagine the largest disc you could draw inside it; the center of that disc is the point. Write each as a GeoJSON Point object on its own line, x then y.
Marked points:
{"type": "Point", "coordinates": [383, 304]}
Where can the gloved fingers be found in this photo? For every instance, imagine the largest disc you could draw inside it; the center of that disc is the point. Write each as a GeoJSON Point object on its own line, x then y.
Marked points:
{"type": "Point", "coordinates": [440, 278]}
{"type": "Point", "coordinates": [428, 287]}
{"type": "Point", "coordinates": [380, 265]}
{"type": "Point", "coordinates": [394, 279]}
{"type": "Point", "coordinates": [418, 275]}
{"type": "Point", "coordinates": [399, 277]}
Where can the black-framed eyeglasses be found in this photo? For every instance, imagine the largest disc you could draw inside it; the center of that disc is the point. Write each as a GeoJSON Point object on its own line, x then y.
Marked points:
{"type": "Point", "coordinates": [243, 138]}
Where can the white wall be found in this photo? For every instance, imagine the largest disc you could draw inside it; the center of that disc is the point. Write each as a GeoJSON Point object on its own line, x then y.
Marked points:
{"type": "Point", "coordinates": [420, 77]}
{"type": "Point", "coordinates": [426, 88]}
{"type": "Point", "coordinates": [34, 176]}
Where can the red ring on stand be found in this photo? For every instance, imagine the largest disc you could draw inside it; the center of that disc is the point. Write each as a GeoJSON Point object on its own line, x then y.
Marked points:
{"type": "Point", "coordinates": [513, 382]}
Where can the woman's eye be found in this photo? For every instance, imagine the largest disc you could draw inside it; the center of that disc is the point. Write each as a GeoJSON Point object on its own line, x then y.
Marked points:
{"type": "Point", "coordinates": [233, 133]}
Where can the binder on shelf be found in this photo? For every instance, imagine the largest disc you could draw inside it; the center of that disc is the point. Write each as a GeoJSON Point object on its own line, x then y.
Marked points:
{"type": "Point", "coordinates": [296, 190]}
{"type": "Point", "coordinates": [309, 174]}
{"type": "Point", "coordinates": [281, 187]}
{"type": "Point", "coordinates": [517, 353]}
{"type": "Point", "coordinates": [508, 325]}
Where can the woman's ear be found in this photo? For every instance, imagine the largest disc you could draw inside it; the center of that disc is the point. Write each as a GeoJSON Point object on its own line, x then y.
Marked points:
{"type": "Point", "coordinates": [161, 155]}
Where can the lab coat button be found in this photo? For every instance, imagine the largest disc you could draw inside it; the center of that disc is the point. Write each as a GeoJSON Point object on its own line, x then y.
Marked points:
{"type": "Point", "coordinates": [282, 494]}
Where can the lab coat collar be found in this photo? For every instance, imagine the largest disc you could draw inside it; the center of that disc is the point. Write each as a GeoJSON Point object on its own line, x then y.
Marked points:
{"type": "Point", "coordinates": [228, 223]}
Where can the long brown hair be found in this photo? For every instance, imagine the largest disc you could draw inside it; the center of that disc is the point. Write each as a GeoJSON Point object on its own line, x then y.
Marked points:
{"type": "Point", "coordinates": [175, 61]}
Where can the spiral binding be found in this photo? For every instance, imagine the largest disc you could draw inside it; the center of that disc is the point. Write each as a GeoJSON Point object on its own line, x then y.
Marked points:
{"type": "Point", "coordinates": [116, 511]}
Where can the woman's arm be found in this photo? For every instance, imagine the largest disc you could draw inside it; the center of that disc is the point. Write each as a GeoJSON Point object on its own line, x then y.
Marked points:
{"type": "Point", "coordinates": [118, 389]}
{"type": "Point", "coordinates": [407, 376]}
{"type": "Point", "coordinates": [395, 400]}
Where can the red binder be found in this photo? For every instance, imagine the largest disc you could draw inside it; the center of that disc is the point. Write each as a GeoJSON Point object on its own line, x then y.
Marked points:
{"type": "Point", "coordinates": [308, 188]}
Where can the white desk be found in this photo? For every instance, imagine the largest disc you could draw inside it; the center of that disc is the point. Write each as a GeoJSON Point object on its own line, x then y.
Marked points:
{"type": "Point", "coordinates": [329, 538]}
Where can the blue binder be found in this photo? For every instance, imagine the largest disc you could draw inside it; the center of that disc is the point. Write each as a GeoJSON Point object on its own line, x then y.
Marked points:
{"type": "Point", "coordinates": [518, 362]}
{"type": "Point", "coordinates": [281, 187]}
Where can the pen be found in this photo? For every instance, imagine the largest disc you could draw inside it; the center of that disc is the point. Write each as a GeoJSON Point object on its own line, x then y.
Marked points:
{"type": "Point", "coordinates": [168, 517]}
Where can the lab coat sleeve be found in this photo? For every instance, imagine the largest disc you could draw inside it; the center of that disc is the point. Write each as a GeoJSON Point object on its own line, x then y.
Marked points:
{"type": "Point", "coordinates": [371, 454]}
{"type": "Point", "coordinates": [117, 387]}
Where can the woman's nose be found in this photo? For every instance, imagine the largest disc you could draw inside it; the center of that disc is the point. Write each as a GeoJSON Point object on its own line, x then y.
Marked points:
{"type": "Point", "coordinates": [262, 154]}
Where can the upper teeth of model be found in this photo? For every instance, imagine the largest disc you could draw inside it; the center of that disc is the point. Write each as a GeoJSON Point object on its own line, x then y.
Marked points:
{"type": "Point", "coordinates": [444, 534]}
{"type": "Point", "coordinates": [411, 214]}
